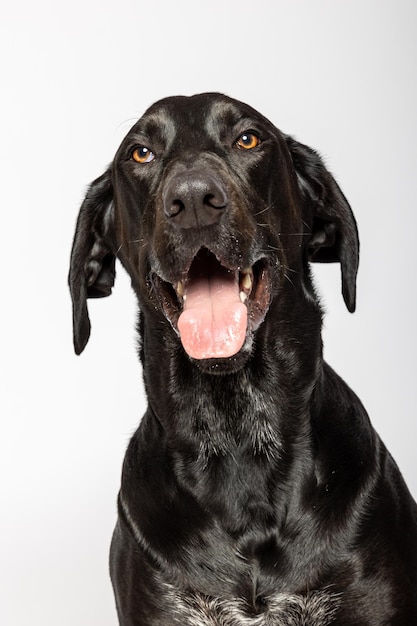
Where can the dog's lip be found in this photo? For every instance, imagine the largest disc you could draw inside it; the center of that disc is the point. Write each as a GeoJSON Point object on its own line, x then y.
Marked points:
{"type": "Point", "coordinates": [255, 288]}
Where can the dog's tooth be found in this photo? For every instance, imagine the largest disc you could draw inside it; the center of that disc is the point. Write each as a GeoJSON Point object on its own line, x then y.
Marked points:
{"type": "Point", "coordinates": [180, 288]}
{"type": "Point", "coordinates": [247, 281]}
{"type": "Point", "coordinates": [243, 297]}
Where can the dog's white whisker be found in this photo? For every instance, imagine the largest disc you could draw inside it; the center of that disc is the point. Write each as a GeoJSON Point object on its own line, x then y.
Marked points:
{"type": "Point", "coordinates": [268, 208]}
{"type": "Point", "coordinates": [288, 278]}
{"type": "Point", "coordinates": [290, 269]}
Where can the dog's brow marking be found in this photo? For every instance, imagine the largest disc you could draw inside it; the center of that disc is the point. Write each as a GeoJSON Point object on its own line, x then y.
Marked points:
{"type": "Point", "coordinates": [165, 121]}
{"type": "Point", "coordinates": [218, 110]}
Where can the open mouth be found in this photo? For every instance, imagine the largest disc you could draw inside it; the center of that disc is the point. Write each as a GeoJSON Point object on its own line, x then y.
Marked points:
{"type": "Point", "coordinates": [215, 308]}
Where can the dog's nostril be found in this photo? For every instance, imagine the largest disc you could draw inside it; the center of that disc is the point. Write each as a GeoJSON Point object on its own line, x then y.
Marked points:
{"type": "Point", "coordinates": [218, 201]}
{"type": "Point", "coordinates": [174, 208]}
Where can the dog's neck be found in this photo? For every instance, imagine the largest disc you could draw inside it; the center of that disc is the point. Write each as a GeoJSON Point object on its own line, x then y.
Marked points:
{"type": "Point", "coordinates": [231, 437]}
{"type": "Point", "coordinates": [237, 438]}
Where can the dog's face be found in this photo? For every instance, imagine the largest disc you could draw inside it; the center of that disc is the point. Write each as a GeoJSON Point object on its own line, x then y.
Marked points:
{"type": "Point", "coordinates": [203, 187]}
{"type": "Point", "coordinates": [213, 212]}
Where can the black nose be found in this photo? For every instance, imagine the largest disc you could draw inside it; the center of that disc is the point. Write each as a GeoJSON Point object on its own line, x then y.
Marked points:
{"type": "Point", "coordinates": [194, 199]}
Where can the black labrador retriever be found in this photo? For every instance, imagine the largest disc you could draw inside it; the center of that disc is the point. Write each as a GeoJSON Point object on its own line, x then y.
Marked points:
{"type": "Point", "coordinates": [255, 491]}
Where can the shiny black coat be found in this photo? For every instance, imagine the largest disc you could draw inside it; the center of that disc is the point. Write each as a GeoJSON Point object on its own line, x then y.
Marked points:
{"type": "Point", "coordinates": [255, 490]}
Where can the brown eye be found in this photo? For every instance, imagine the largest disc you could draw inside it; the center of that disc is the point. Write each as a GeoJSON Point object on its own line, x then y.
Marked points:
{"type": "Point", "coordinates": [142, 154]}
{"type": "Point", "coordinates": [247, 141]}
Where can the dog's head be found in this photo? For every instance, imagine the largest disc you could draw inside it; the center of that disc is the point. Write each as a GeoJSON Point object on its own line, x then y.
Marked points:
{"type": "Point", "coordinates": [214, 213]}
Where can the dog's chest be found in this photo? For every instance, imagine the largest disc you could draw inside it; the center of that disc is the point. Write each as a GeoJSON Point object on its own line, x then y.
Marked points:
{"type": "Point", "coordinates": [317, 608]}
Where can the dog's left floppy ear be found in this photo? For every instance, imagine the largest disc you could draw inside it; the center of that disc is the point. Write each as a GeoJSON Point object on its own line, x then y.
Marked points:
{"type": "Point", "coordinates": [92, 270]}
{"type": "Point", "coordinates": [334, 235]}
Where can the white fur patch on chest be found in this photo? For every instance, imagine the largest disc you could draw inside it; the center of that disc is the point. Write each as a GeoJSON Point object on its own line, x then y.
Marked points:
{"type": "Point", "coordinates": [317, 608]}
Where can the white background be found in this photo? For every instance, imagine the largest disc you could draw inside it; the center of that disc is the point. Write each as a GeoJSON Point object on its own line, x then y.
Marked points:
{"type": "Point", "coordinates": [340, 76]}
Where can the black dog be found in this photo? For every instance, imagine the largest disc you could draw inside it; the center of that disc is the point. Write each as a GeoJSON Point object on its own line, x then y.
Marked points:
{"type": "Point", "coordinates": [255, 491]}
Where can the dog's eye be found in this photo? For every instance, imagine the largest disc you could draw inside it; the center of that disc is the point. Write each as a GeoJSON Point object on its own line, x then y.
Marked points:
{"type": "Point", "coordinates": [142, 154]}
{"type": "Point", "coordinates": [247, 141]}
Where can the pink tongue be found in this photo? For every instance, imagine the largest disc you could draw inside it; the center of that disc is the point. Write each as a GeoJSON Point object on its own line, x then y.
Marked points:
{"type": "Point", "coordinates": [214, 320]}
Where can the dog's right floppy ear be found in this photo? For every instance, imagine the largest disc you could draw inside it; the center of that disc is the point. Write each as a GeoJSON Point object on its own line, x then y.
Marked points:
{"type": "Point", "coordinates": [92, 270]}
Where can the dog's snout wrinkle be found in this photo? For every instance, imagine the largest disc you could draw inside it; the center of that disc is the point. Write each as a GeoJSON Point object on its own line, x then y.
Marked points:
{"type": "Point", "coordinates": [194, 199]}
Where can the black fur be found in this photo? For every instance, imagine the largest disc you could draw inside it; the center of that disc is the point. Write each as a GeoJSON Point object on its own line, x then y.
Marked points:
{"type": "Point", "coordinates": [255, 490]}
